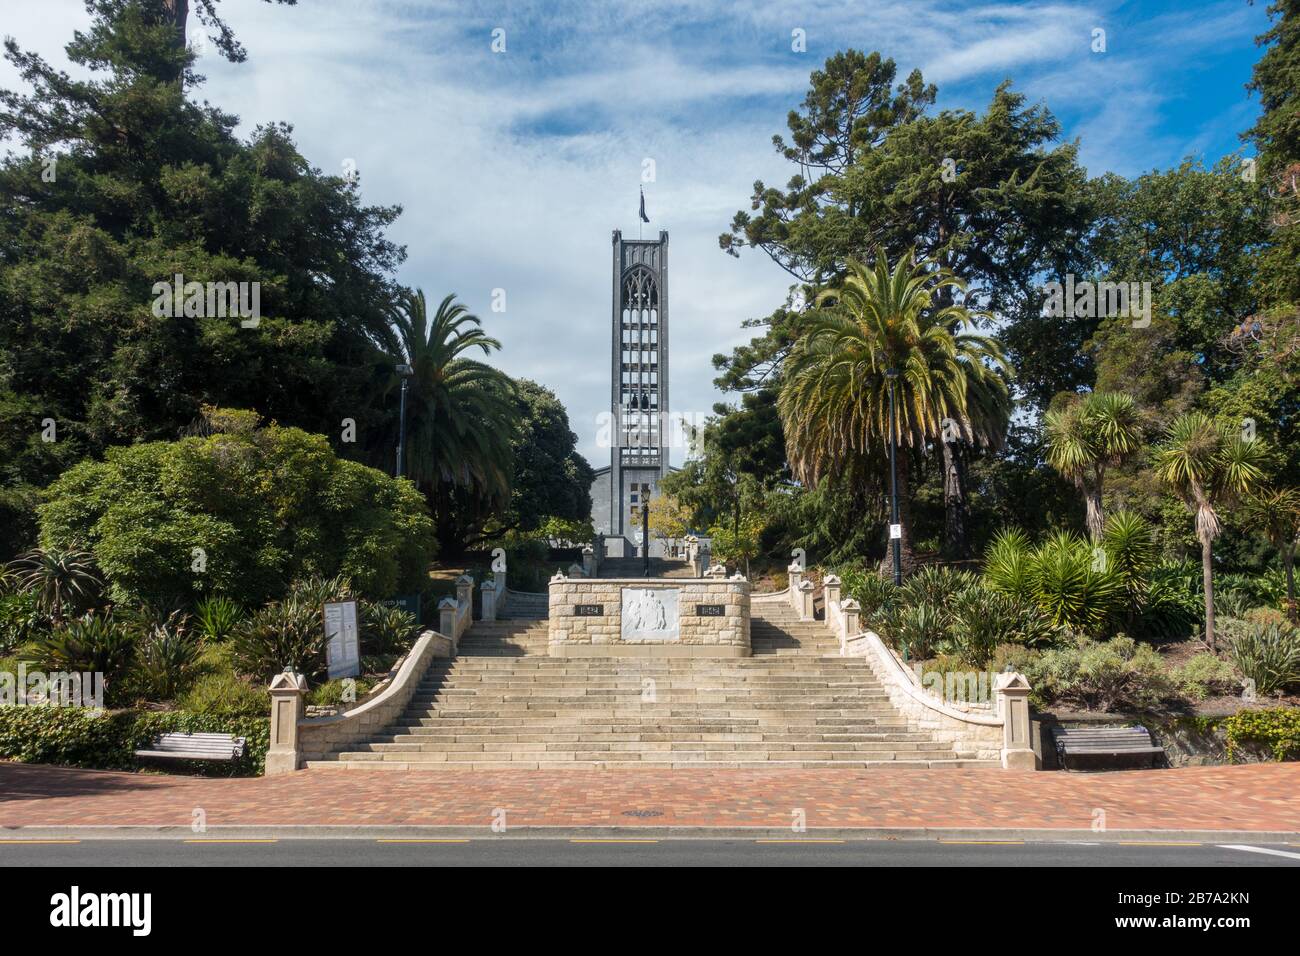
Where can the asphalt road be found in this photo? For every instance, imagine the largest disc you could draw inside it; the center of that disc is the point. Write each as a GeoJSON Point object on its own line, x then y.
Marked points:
{"type": "Point", "coordinates": [670, 853]}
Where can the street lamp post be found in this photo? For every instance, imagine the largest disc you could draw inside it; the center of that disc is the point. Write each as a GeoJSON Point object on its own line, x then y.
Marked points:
{"type": "Point", "coordinates": [403, 370]}
{"type": "Point", "coordinates": [645, 536]}
{"type": "Point", "coordinates": [895, 529]}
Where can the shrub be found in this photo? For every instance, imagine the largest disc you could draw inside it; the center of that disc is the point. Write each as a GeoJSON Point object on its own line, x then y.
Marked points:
{"type": "Point", "coordinates": [331, 693]}
{"type": "Point", "coordinates": [979, 619]}
{"type": "Point", "coordinates": [95, 642]}
{"type": "Point", "coordinates": [266, 506]}
{"type": "Point", "coordinates": [104, 740]}
{"type": "Point", "coordinates": [316, 590]}
{"type": "Point", "coordinates": [1118, 674]}
{"type": "Point", "coordinates": [1267, 655]}
{"type": "Point", "coordinates": [1277, 728]}
{"type": "Point", "coordinates": [1172, 607]}
{"type": "Point", "coordinates": [1008, 565]}
{"type": "Point", "coordinates": [217, 617]}
{"type": "Point", "coordinates": [935, 586]}
{"type": "Point", "coordinates": [387, 630]}
{"type": "Point", "coordinates": [65, 581]}
{"type": "Point", "coordinates": [21, 620]}
{"type": "Point", "coordinates": [286, 634]}
{"type": "Point", "coordinates": [165, 661]}
{"type": "Point", "coordinates": [916, 630]}
{"type": "Point", "coordinates": [225, 693]}
{"type": "Point", "coordinates": [874, 593]}
{"type": "Point", "coordinates": [1063, 576]}
{"type": "Point", "coordinates": [1206, 675]}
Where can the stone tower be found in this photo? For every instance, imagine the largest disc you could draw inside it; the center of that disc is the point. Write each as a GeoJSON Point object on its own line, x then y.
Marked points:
{"type": "Point", "coordinates": [638, 420]}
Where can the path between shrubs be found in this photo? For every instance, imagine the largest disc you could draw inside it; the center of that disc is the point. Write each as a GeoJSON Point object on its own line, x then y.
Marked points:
{"type": "Point", "coordinates": [1256, 798]}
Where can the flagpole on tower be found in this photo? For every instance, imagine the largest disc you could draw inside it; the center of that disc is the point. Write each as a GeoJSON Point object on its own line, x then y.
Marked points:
{"type": "Point", "coordinates": [641, 216]}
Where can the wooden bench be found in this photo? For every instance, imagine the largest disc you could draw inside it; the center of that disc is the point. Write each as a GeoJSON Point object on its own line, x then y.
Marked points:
{"type": "Point", "coordinates": [1130, 745]}
{"type": "Point", "coordinates": [179, 746]}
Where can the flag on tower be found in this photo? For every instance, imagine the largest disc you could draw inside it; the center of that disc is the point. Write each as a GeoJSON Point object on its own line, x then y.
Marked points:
{"type": "Point", "coordinates": [644, 217]}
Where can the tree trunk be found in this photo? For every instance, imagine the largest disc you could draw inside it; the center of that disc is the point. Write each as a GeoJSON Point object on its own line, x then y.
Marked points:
{"type": "Point", "coordinates": [178, 14]}
{"type": "Point", "coordinates": [955, 544]}
{"type": "Point", "coordinates": [1093, 515]}
{"type": "Point", "coordinates": [1207, 581]}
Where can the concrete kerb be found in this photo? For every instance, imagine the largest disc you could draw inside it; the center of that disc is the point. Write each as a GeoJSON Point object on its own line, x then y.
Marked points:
{"type": "Point", "coordinates": [785, 834]}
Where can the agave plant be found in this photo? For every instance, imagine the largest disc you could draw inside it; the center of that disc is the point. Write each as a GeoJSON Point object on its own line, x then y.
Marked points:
{"type": "Point", "coordinates": [388, 629]}
{"type": "Point", "coordinates": [218, 617]}
{"type": "Point", "coordinates": [1268, 655]}
{"type": "Point", "coordinates": [316, 591]}
{"type": "Point", "coordinates": [935, 586]}
{"type": "Point", "coordinates": [65, 582]}
{"type": "Point", "coordinates": [166, 660]}
{"type": "Point", "coordinates": [287, 634]}
{"type": "Point", "coordinates": [97, 643]}
{"type": "Point", "coordinates": [916, 630]}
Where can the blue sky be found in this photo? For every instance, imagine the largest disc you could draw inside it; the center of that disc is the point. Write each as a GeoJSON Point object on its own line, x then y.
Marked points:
{"type": "Point", "coordinates": [514, 167]}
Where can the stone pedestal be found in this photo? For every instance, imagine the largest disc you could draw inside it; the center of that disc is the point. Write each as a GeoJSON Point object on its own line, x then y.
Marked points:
{"type": "Point", "coordinates": [1013, 705]}
{"type": "Point", "coordinates": [288, 691]}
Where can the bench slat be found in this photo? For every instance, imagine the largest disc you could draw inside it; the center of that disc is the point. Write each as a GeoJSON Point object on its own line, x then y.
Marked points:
{"type": "Point", "coordinates": [200, 746]}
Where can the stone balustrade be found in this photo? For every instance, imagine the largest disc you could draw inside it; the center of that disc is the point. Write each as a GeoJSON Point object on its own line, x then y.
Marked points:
{"type": "Point", "coordinates": [296, 739]}
{"type": "Point", "coordinates": [1002, 733]}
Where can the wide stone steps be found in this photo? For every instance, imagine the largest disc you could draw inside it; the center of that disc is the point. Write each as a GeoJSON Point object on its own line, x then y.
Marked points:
{"type": "Point", "coordinates": [503, 703]}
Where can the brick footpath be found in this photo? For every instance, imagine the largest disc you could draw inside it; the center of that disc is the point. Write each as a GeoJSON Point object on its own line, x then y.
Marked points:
{"type": "Point", "coordinates": [1260, 797]}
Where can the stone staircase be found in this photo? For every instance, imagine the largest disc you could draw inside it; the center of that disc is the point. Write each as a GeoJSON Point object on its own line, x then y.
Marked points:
{"type": "Point", "coordinates": [503, 704]}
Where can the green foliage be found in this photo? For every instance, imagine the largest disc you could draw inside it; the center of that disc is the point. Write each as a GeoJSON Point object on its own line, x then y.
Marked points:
{"type": "Point", "coordinates": [1268, 655]}
{"type": "Point", "coordinates": [1118, 674]}
{"type": "Point", "coordinates": [263, 506]}
{"type": "Point", "coordinates": [106, 740]}
{"type": "Point", "coordinates": [217, 617]}
{"type": "Point", "coordinates": [981, 619]}
{"type": "Point", "coordinates": [1277, 728]}
{"type": "Point", "coordinates": [285, 634]}
{"type": "Point", "coordinates": [1206, 675]}
{"type": "Point", "coordinates": [873, 593]}
{"type": "Point", "coordinates": [166, 660]}
{"type": "Point", "coordinates": [96, 642]}
{"type": "Point", "coordinates": [1008, 564]}
{"type": "Point", "coordinates": [387, 630]}
{"type": "Point", "coordinates": [916, 629]}
{"type": "Point", "coordinates": [21, 620]}
{"type": "Point", "coordinates": [64, 580]}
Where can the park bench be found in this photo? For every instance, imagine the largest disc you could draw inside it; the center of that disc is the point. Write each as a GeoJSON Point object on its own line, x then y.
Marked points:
{"type": "Point", "coordinates": [1086, 746]}
{"type": "Point", "coordinates": [179, 746]}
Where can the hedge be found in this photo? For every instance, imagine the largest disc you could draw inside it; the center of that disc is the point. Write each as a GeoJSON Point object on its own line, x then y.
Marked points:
{"type": "Point", "coordinates": [1277, 728]}
{"type": "Point", "coordinates": [107, 740]}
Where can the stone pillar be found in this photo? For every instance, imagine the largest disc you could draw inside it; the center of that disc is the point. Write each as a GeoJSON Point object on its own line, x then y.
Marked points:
{"type": "Point", "coordinates": [288, 691]}
{"type": "Point", "coordinates": [805, 601]}
{"type": "Point", "coordinates": [831, 591]}
{"type": "Point", "coordinates": [465, 591]}
{"type": "Point", "coordinates": [488, 592]}
{"type": "Point", "coordinates": [447, 610]}
{"type": "Point", "coordinates": [589, 561]}
{"type": "Point", "coordinates": [795, 570]}
{"type": "Point", "coordinates": [716, 571]}
{"type": "Point", "coordinates": [849, 609]}
{"type": "Point", "coordinates": [1013, 705]}
{"type": "Point", "coordinates": [576, 571]}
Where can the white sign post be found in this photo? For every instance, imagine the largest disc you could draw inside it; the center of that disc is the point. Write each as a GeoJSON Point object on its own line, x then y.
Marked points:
{"type": "Point", "coordinates": [343, 647]}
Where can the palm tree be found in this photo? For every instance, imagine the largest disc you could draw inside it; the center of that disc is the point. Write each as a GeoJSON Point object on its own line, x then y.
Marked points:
{"type": "Point", "coordinates": [1276, 512]}
{"type": "Point", "coordinates": [460, 411]}
{"type": "Point", "coordinates": [834, 400]}
{"type": "Point", "coordinates": [64, 581]}
{"type": "Point", "coordinates": [1208, 466]}
{"type": "Point", "coordinates": [1087, 437]}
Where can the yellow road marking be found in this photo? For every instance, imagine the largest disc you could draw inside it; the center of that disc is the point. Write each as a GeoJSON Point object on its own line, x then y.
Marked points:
{"type": "Point", "coordinates": [12, 842]}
